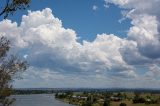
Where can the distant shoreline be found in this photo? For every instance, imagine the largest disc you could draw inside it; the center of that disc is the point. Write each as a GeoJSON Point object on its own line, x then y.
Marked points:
{"type": "Point", "coordinates": [55, 90]}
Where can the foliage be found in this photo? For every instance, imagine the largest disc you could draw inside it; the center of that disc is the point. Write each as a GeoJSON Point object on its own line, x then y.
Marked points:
{"type": "Point", "coordinates": [122, 104]}
{"type": "Point", "coordinates": [10, 66]}
{"type": "Point", "coordinates": [106, 102]}
{"type": "Point", "coordinates": [12, 6]}
{"type": "Point", "coordinates": [87, 103]}
{"type": "Point", "coordinates": [138, 99]}
{"type": "Point", "coordinates": [61, 95]}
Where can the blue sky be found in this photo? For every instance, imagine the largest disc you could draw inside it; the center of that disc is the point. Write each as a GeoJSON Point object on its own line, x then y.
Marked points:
{"type": "Point", "coordinates": [80, 16]}
{"type": "Point", "coordinates": [87, 43]}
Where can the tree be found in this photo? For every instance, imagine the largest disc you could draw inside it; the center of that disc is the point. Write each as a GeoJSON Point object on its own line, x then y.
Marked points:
{"type": "Point", "coordinates": [138, 99]}
{"type": "Point", "coordinates": [122, 104]}
{"type": "Point", "coordinates": [106, 102]}
{"type": "Point", "coordinates": [10, 66]}
{"type": "Point", "coordinates": [10, 6]}
{"type": "Point", "coordinates": [87, 103]}
{"type": "Point", "coordinates": [107, 99]}
{"type": "Point", "coordinates": [56, 95]}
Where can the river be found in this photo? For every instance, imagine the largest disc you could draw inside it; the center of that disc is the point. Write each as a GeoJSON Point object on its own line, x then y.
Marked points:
{"type": "Point", "coordinates": [37, 100]}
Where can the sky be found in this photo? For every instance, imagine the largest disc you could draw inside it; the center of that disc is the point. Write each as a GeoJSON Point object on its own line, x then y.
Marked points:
{"type": "Point", "coordinates": [87, 43]}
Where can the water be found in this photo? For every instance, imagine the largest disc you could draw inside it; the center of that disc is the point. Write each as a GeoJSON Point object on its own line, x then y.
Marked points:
{"type": "Point", "coordinates": [37, 100]}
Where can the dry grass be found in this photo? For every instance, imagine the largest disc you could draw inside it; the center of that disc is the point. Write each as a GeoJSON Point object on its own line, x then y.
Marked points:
{"type": "Point", "coordinates": [129, 103]}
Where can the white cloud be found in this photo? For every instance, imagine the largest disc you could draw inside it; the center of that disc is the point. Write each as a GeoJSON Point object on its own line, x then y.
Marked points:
{"type": "Point", "coordinates": [145, 30]}
{"type": "Point", "coordinates": [25, 56]}
{"type": "Point", "coordinates": [117, 2]}
{"type": "Point", "coordinates": [144, 33]}
{"type": "Point", "coordinates": [95, 7]}
{"type": "Point", "coordinates": [106, 5]}
{"type": "Point", "coordinates": [46, 40]}
{"type": "Point", "coordinates": [11, 30]}
{"type": "Point", "coordinates": [48, 45]}
{"type": "Point", "coordinates": [54, 53]}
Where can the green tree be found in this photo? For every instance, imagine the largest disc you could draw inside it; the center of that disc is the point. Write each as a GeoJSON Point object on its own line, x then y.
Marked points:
{"type": "Point", "coordinates": [87, 103]}
{"type": "Point", "coordinates": [107, 99]}
{"type": "Point", "coordinates": [106, 102]}
{"type": "Point", "coordinates": [122, 104]}
{"type": "Point", "coordinates": [138, 99]}
{"type": "Point", "coordinates": [10, 6]}
{"type": "Point", "coordinates": [56, 95]}
{"type": "Point", "coordinates": [10, 66]}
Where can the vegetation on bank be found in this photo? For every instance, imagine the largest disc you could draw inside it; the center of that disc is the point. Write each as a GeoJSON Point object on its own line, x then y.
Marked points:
{"type": "Point", "coordinates": [10, 65]}
{"type": "Point", "coordinates": [110, 99]}
{"type": "Point", "coordinates": [10, 68]}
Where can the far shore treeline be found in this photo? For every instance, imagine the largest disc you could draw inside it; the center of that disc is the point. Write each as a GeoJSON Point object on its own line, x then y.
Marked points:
{"type": "Point", "coordinates": [64, 90]}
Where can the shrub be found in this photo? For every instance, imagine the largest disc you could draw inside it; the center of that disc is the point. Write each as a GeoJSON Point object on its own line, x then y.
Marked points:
{"type": "Point", "coordinates": [122, 104]}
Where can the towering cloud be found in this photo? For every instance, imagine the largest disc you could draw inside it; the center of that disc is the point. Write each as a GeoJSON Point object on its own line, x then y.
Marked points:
{"type": "Point", "coordinates": [55, 54]}
{"type": "Point", "coordinates": [145, 20]}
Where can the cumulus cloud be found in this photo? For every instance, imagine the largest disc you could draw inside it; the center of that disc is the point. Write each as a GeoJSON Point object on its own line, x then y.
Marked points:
{"type": "Point", "coordinates": [145, 20]}
{"type": "Point", "coordinates": [144, 35]}
{"type": "Point", "coordinates": [46, 44]}
{"type": "Point", "coordinates": [55, 54]}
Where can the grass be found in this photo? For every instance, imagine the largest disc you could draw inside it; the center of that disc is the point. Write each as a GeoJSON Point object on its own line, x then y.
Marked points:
{"type": "Point", "coordinates": [129, 103]}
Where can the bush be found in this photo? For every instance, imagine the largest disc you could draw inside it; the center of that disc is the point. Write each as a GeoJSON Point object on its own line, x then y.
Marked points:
{"type": "Point", "coordinates": [106, 103]}
{"type": "Point", "coordinates": [87, 103]}
{"type": "Point", "coordinates": [139, 100]}
{"type": "Point", "coordinates": [122, 104]}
